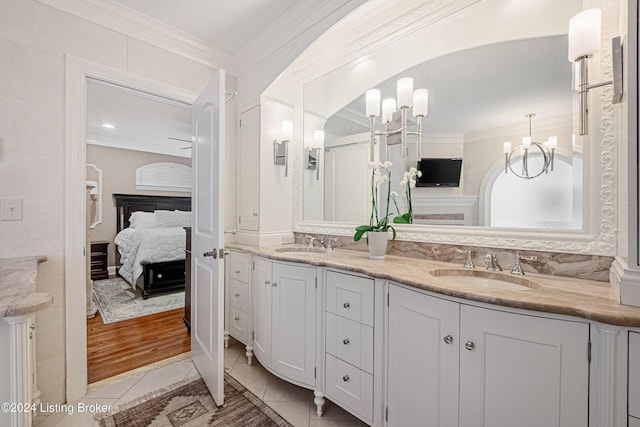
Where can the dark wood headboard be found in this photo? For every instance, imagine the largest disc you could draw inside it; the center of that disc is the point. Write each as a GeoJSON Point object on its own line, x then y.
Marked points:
{"type": "Point", "coordinates": [127, 203]}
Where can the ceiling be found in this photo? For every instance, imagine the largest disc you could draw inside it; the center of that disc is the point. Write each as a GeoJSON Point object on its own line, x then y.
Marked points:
{"type": "Point", "coordinates": [140, 121]}
{"type": "Point", "coordinates": [229, 25]}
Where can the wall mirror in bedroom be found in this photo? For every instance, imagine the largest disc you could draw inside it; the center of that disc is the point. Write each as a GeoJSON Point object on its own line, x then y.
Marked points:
{"type": "Point", "coordinates": [138, 157]}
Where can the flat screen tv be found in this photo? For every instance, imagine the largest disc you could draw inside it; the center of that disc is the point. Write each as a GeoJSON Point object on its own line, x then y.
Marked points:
{"type": "Point", "coordinates": [439, 172]}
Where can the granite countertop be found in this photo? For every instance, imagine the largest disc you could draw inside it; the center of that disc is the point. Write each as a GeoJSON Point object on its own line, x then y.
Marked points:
{"type": "Point", "coordinates": [18, 286]}
{"type": "Point", "coordinates": [589, 299]}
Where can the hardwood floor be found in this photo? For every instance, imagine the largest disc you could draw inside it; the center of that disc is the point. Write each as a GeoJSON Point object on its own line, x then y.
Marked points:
{"type": "Point", "coordinates": [122, 346]}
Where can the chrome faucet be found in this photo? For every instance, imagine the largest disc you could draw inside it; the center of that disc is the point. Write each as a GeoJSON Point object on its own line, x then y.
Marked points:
{"type": "Point", "coordinates": [491, 261]}
{"type": "Point", "coordinates": [468, 262]}
{"type": "Point", "coordinates": [517, 267]}
{"type": "Point", "coordinates": [311, 240]}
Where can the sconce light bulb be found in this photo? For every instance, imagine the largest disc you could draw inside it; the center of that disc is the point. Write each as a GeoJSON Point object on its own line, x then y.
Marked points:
{"type": "Point", "coordinates": [584, 33]}
{"type": "Point", "coordinates": [373, 103]}
{"type": "Point", "coordinates": [287, 130]}
{"type": "Point", "coordinates": [388, 108]}
{"type": "Point", "coordinates": [405, 91]}
{"type": "Point", "coordinates": [420, 102]}
{"type": "Point", "coordinates": [318, 137]}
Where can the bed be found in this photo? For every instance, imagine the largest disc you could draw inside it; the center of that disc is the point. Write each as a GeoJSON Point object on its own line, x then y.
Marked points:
{"type": "Point", "coordinates": [150, 271]}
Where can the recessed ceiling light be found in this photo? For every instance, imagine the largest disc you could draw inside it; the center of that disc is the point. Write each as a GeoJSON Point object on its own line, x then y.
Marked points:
{"type": "Point", "coordinates": [108, 126]}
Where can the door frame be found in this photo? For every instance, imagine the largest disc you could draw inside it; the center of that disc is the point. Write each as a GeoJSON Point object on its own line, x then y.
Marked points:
{"type": "Point", "coordinates": [78, 71]}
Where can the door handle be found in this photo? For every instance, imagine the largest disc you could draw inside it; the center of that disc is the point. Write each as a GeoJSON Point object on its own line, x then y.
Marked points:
{"type": "Point", "coordinates": [213, 254]}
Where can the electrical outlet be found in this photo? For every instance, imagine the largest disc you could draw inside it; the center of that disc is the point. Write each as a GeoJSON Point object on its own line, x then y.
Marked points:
{"type": "Point", "coordinates": [10, 209]}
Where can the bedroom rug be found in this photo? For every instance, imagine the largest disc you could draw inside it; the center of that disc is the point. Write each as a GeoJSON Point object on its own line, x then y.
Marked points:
{"type": "Point", "coordinates": [117, 301]}
{"type": "Point", "coordinates": [189, 404]}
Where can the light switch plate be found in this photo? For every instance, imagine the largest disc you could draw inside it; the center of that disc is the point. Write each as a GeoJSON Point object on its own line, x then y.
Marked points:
{"type": "Point", "coordinates": [10, 209]}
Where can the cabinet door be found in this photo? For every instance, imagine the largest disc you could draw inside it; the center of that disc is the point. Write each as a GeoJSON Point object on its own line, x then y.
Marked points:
{"type": "Point", "coordinates": [422, 367]}
{"type": "Point", "coordinates": [294, 322]}
{"type": "Point", "coordinates": [248, 169]}
{"type": "Point", "coordinates": [518, 370]}
{"type": "Point", "coordinates": [262, 310]}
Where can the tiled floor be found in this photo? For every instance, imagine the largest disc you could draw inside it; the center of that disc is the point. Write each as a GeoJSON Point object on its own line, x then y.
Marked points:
{"type": "Point", "coordinates": [294, 403]}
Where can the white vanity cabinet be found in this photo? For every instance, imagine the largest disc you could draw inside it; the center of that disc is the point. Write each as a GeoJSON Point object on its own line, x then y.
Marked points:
{"type": "Point", "coordinates": [349, 342]}
{"type": "Point", "coordinates": [634, 379]}
{"type": "Point", "coordinates": [452, 364]}
{"type": "Point", "coordinates": [17, 370]}
{"type": "Point", "coordinates": [237, 296]}
{"type": "Point", "coordinates": [285, 319]}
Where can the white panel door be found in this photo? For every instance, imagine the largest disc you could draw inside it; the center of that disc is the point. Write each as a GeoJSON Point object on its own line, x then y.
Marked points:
{"type": "Point", "coordinates": [525, 371]}
{"type": "Point", "coordinates": [261, 303]}
{"type": "Point", "coordinates": [207, 297]}
{"type": "Point", "coordinates": [249, 169]}
{"type": "Point", "coordinates": [422, 367]}
{"type": "Point", "coordinates": [294, 322]}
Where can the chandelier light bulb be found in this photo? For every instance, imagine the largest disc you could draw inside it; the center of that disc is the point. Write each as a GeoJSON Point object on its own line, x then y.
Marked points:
{"type": "Point", "coordinates": [506, 147]}
{"type": "Point", "coordinates": [420, 102]}
{"type": "Point", "coordinates": [552, 142]}
{"type": "Point", "coordinates": [388, 108]}
{"type": "Point", "coordinates": [526, 142]}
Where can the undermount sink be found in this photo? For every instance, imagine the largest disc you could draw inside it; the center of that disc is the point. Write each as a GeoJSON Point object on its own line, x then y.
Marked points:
{"type": "Point", "coordinates": [484, 279]}
{"type": "Point", "coordinates": [301, 250]}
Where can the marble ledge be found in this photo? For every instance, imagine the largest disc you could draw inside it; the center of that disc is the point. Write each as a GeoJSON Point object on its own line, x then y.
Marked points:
{"type": "Point", "coordinates": [18, 279]}
{"type": "Point", "coordinates": [589, 299]}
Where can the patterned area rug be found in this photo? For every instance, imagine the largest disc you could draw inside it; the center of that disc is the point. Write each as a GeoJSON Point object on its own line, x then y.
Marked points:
{"type": "Point", "coordinates": [189, 404]}
{"type": "Point", "coordinates": [117, 300]}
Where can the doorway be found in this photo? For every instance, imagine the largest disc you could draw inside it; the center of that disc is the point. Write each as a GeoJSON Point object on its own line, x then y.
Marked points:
{"type": "Point", "coordinates": [138, 143]}
{"type": "Point", "coordinates": [79, 71]}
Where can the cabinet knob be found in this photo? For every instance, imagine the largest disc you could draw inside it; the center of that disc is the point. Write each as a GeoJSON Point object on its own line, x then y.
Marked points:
{"type": "Point", "coordinates": [469, 345]}
{"type": "Point", "coordinates": [274, 284]}
{"type": "Point", "coordinates": [237, 318]}
{"type": "Point", "coordinates": [237, 271]}
{"type": "Point", "coordinates": [345, 378]}
{"type": "Point", "coordinates": [267, 282]}
{"type": "Point", "coordinates": [345, 341]}
{"type": "Point", "coordinates": [448, 339]}
{"type": "Point", "coordinates": [237, 294]}
{"type": "Point", "coordinates": [346, 305]}
{"type": "Point", "coordinates": [159, 276]}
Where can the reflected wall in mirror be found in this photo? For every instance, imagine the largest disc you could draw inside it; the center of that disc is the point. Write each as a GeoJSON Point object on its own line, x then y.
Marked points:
{"type": "Point", "coordinates": [479, 93]}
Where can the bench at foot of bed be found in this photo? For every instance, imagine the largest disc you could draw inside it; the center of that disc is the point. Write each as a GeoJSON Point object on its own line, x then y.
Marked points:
{"type": "Point", "coordinates": [162, 276]}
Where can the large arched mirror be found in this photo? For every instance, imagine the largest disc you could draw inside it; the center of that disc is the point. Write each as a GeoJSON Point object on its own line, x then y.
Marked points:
{"type": "Point", "coordinates": [496, 71]}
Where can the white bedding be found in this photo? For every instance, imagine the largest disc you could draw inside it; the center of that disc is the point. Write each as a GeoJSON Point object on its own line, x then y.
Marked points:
{"type": "Point", "coordinates": [148, 245]}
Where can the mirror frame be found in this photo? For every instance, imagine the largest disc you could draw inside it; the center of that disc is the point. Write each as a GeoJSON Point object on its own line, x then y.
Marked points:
{"type": "Point", "coordinates": [598, 236]}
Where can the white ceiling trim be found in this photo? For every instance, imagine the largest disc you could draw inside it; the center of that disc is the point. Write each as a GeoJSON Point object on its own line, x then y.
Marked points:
{"type": "Point", "coordinates": [119, 18]}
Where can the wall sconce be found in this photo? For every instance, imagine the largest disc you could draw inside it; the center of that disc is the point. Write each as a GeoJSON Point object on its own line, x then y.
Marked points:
{"type": "Point", "coordinates": [547, 150]}
{"type": "Point", "coordinates": [312, 161]}
{"type": "Point", "coordinates": [281, 146]}
{"type": "Point", "coordinates": [584, 42]}
{"type": "Point", "coordinates": [406, 98]}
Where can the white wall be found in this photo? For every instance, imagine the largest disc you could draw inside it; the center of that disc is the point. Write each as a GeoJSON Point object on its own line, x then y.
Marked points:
{"type": "Point", "coordinates": [34, 39]}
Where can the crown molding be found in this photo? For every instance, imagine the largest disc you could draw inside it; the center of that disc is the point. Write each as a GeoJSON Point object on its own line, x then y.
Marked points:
{"type": "Point", "coordinates": [113, 15]}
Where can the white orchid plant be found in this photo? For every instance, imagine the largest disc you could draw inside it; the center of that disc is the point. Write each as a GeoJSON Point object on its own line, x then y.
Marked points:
{"type": "Point", "coordinates": [408, 182]}
{"type": "Point", "coordinates": [380, 173]}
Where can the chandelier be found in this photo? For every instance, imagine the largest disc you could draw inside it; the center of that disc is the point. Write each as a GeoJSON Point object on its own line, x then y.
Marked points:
{"type": "Point", "coordinates": [546, 150]}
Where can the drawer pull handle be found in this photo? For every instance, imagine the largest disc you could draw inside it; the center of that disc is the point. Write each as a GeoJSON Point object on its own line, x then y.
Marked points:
{"type": "Point", "coordinates": [448, 339]}
{"type": "Point", "coordinates": [267, 282]}
{"type": "Point", "coordinates": [345, 378]}
{"type": "Point", "coordinates": [237, 318]}
{"type": "Point", "coordinates": [346, 305]}
{"type": "Point", "coordinates": [237, 294]}
{"type": "Point", "coordinates": [345, 341]}
{"type": "Point", "coordinates": [237, 271]}
{"type": "Point", "coordinates": [469, 345]}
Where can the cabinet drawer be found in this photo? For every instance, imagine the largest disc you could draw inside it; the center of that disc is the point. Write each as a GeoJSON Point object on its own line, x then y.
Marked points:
{"type": "Point", "coordinates": [239, 266]}
{"type": "Point", "coordinates": [634, 374]}
{"type": "Point", "coordinates": [350, 341]}
{"type": "Point", "coordinates": [350, 387]}
{"type": "Point", "coordinates": [239, 294]}
{"type": "Point", "coordinates": [350, 297]}
{"type": "Point", "coordinates": [238, 320]}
